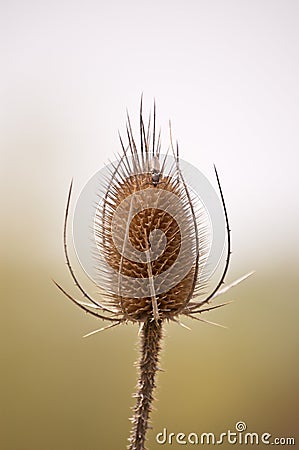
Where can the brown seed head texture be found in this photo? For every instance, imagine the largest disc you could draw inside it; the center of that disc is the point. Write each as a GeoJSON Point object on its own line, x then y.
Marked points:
{"type": "Point", "coordinates": [171, 274]}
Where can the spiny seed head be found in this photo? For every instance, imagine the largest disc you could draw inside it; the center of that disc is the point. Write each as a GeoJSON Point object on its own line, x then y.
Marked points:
{"type": "Point", "coordinates": [151, 232]}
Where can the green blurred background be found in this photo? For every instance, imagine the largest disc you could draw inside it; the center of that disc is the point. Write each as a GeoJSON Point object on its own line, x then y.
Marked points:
{"type": "Point", "coordinates": [226, 73]}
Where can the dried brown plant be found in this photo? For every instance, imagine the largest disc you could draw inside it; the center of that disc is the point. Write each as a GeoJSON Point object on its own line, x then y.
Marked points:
{"type": "Point", "coordinates": [151, 277]}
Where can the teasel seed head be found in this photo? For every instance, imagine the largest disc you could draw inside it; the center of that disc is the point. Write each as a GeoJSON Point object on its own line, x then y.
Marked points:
{"type": "Point", "coordinates": [151, 233]}
{"type": "Point", "coordinates": [151, 236]}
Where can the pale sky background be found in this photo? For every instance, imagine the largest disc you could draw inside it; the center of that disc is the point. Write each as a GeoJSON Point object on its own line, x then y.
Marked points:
{"type": "Point", "coordinates": [226, 74]}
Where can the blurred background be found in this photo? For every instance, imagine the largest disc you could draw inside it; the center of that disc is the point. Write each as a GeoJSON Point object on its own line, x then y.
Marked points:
{"type": "Point", "coordinates": [226, 73]}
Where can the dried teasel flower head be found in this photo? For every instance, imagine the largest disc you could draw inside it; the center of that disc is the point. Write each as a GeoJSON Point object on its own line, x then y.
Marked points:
{"type": "Point", "coordinates": [153, 233]}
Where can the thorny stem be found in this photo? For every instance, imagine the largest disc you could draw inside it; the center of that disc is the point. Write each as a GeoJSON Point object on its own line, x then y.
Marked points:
{"type": "Point", "coordinates": [150, 345]}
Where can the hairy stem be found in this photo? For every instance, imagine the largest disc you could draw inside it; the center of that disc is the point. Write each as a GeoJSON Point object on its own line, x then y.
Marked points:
{"type": "Point", "coordinates": [151, 337]}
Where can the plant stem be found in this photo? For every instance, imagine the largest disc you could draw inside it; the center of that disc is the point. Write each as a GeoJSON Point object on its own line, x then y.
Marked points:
{"type": "Point", "coordinates": [150, 345]}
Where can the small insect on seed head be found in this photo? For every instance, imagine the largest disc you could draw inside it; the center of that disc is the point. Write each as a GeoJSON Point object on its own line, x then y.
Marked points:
{"type": "Point", "coordinates": [155, 170]}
